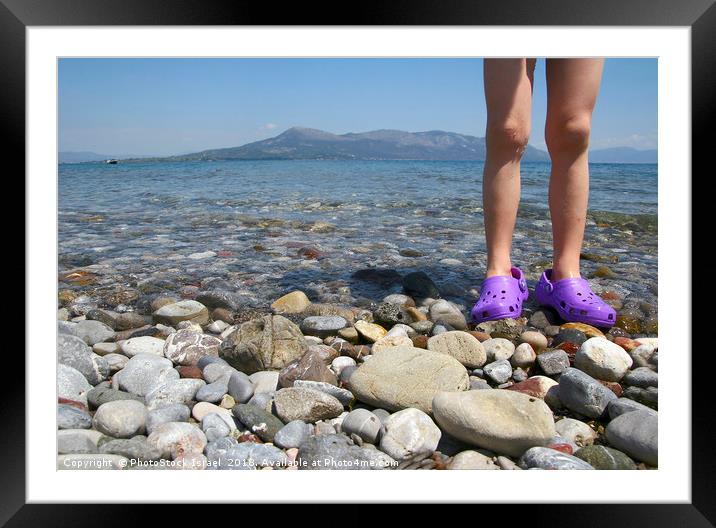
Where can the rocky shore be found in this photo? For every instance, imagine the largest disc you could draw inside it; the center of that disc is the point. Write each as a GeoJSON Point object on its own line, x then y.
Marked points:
{"type": "Point", "coordinates": [191, 380]}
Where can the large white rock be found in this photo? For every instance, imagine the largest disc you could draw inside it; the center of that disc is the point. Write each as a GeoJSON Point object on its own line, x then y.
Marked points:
{"type": "Point", "coordinates": [142, 345]}
{"type": "Point", "coordinates": [409, 434]}
{"type": "Point", "coordinates": [176, 439]}
{"type": "Point", "coordinates": [71, 384]}
{"type": "Point", "coordinates": [143, 373]}
{"type": "Point", "coordinates": [464, 347]}
{"type": "Point", "coordinates": [403, 377]}
{"type": "Point", "coordinates": [602, 359]}
{"type": "Point", "coordinates": [174, 391]}
{"type": "Point", "coordinates": [121, 418]}
{"type": "Point", "coordinates": [505, 422]}
{"type": "Point", "coordinates": [186, 310]}
{"type": "Point", "coordinates": [186, 347]}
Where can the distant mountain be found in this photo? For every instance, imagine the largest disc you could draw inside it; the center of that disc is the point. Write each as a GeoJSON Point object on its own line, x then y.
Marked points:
{"type": "Point", "coordinates": [309, 143]}
{"type": "Point", "coordinates": [623, 155]}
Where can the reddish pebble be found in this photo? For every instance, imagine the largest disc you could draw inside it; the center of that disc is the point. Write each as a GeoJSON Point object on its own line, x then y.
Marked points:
{"type": "Point", "coordinates": [81, 406]}
{"type": "Point", "coordinates": [610, 296]}
{"type": "Point", "coordinates": [249, 437]}
{"type": "Point", "coordinates": [224, 253]}
{"type": "Point", "coordinates": [481, 336]}
{"type": "Point", "coordinates": [420, 341]}
{"type": "Point", "coordinates": [190, 372]}
{"type": "Point", "coordinates": [626, 343]}
{"type": "Point", "coordinates": [360, 350]}
{"type": "Point", "coordinates": [564, 448]}
{"type": "Point", "coordinates": [613, 386]}
{"type": "Point", "coordinates": [309, 252]}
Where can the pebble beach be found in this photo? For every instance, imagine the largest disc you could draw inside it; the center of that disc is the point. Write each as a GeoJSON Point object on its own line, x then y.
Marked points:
{"type": "Point", "coordinates": [318, 324]}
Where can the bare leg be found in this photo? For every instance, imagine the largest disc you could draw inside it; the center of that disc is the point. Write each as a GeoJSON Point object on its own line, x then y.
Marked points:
{"type": "Point", "coordinates": [572, 88]}
{"type": "Point", "coordinates": [508, 93]}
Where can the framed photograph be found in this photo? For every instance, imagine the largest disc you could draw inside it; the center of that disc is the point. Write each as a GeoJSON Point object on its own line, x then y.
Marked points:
{"type": "Point", "coordinates": [421, 242]}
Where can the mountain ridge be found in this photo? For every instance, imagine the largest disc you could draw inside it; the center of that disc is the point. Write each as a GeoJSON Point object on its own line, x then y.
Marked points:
{"type": "Point", "coordinates": [302, 143]}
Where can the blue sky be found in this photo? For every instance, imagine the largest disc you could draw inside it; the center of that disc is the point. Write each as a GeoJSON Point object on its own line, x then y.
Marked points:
{"type": "Point", "coordinates": [173, 106]}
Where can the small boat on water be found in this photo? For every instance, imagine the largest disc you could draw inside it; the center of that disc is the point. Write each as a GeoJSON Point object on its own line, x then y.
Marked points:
{"type": "Point", "coordinates": [111, 161]}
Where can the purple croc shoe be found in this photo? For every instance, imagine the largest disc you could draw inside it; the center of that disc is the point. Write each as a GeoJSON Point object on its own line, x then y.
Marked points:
{"type": "Point", "coordinates": [501, 297]}
{"type": "Point", "coordinates": [574, 300]}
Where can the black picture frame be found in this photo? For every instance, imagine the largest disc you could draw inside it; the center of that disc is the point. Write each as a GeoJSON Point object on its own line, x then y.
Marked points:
{"type": "Point", "coordinates": [699, 15]}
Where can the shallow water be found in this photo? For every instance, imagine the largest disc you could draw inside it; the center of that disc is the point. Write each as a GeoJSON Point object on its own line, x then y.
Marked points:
{"type": "Point", "coordinates": [137, 224]}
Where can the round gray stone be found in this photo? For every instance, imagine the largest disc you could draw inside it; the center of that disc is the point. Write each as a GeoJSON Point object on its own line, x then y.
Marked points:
{"type": "Point", "coordinates": [583, 394]}
{"type": "Point", "coordinates": [240, 387]}
{"type": "Point", "coordinates": [323, 325]}
{"type": "Point", "coordinates": [546, 458]}
{"type": "Point", "coordinates": [257, 420]}
{"type": "Point", "coordinates": [176, 412]}
{"type": "Point", "coordinates": [92, 332]}
{"type": "Point", "coordinates": [365, 424]}
{"type": "Point", "coordinates": [143, 373]}
{"type": "Point", "coordinates": [121, 418]}
{"type": "Point", "coordinates": [74, 352]}
{"type": "Point", "coordinates": [498, 371]}
{"type": "Point", "coordinates": [71, 384]}
{"type": "Point", "coordinates": [293, 434]}
{"type": "Point", "coordinates": [636, 434]}
{"type": "Point", "coordinates": [69, 417]}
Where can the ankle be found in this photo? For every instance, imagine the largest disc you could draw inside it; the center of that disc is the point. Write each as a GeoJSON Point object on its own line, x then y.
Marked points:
{"type": "Point", "coordinates": [565, 273]}
{"type": "Point", "coordinates": [498, 271]}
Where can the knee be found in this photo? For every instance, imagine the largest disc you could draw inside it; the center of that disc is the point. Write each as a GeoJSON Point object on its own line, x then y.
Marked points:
{"type": "Point", "coordinates": [509, 137]}
{"type": "Point", "coordinates": [568, 134]}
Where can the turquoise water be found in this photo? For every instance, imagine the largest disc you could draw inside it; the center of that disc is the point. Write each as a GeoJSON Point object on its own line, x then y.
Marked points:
{"type": "Point", "coordinates": [136, 223]}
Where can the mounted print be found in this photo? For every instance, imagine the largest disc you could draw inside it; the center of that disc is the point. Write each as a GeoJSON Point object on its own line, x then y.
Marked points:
{"type": "Point", "coordinates": [437, 247]}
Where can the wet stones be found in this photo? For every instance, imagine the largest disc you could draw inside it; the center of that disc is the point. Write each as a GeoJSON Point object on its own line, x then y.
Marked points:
{"type": "Point", "coordinates": [419, 285]}
{"type": "Point", "coordinates": [267, 343]}
{"type": "Point", "coordinates": [186, 310]}
{"type": "Point", "coordinates": [449, 313]}
{"type": "Point", "coordinates": [291, 303]}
